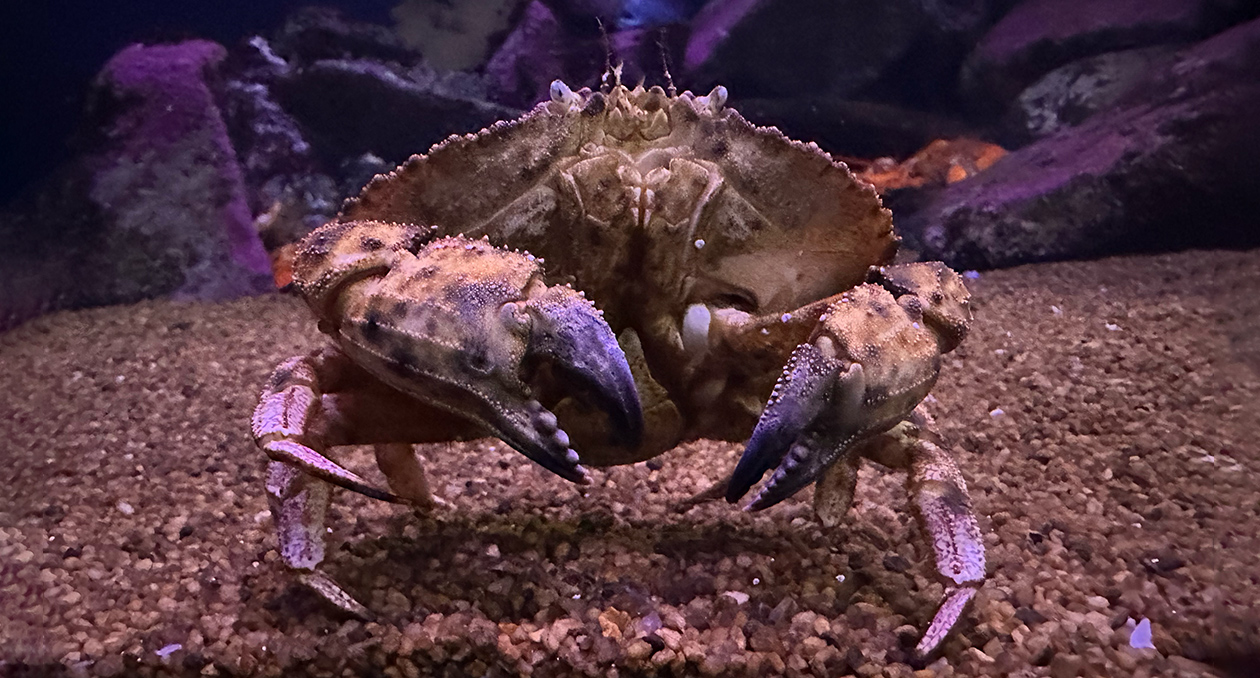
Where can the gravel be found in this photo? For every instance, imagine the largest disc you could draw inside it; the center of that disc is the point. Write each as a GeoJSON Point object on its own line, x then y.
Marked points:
{"type": "Point", "coordinates": [1102, 412]}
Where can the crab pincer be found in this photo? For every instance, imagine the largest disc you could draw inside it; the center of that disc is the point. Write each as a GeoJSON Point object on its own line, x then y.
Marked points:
{"type": "Point", "coordinates": [461, 325]}
{"type": "Point", "coordinates": [843, 396]}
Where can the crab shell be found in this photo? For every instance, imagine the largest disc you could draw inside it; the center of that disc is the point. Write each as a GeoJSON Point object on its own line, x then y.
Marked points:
{"type": "Point", "coordinates": [708, 243]}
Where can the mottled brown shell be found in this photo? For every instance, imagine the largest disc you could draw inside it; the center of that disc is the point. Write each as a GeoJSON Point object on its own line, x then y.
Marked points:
{"type": "Point", "coordinates": [640, 199]}
{"type": "Point", "coordinates": [652, 205]}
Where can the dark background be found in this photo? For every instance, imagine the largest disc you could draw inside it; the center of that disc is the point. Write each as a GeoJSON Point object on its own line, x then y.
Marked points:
{"type": "Point", "coordinates": [50, 50]}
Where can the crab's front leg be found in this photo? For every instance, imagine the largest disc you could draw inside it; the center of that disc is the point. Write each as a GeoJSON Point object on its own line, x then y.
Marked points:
{"type": "Point", "coordinates": [318, 401]}
{"type": "Point", "coordinates": [873, 357]}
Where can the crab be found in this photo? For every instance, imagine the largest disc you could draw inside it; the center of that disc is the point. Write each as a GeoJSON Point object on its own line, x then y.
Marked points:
{"type": "Point", "coordinates": [614, 273]}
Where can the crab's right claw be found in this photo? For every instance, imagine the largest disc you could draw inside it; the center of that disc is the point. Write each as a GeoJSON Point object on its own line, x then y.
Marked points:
{"type": "Point", "coordinates": [562, 329]}
{"type": "Point", "coordinates": [802, 429]}
{"type": "Point", "coordinates": [567, 331]}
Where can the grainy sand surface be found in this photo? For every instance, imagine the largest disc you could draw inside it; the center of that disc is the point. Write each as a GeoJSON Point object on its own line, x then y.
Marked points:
{"type": "Point", "coordinates": [1103, 413]}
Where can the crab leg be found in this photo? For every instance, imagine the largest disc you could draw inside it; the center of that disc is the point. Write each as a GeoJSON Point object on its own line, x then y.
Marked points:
{"type": "Point", "coordinates": [944, 512]}
{"type": "Point", "coordinates": [852, 391]}
{"type": "Point", "coordinates": [286, 413]}
{"type": "Point", "coordinates": [298, 503]}
{"type": "Point", "coordinates": [874, 356]}
{"type": "Point", "coordinates": [319, 401]}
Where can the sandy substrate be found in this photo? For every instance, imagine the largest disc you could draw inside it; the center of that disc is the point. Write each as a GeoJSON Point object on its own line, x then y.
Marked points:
{"type": "Point", "coordinates": [1103, 413]}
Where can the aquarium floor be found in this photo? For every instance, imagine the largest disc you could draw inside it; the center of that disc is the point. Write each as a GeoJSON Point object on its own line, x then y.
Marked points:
{"type": "Point", "coordinates": [1104, 414]}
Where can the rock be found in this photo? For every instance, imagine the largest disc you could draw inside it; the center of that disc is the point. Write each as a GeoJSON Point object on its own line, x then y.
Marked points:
{"type": "Point", "coordinates": [536, 52]}
{"type": "Point", "coordinates": [455, 35]}
{"type": "Point", "coordinates": [316, 33]}
{"type": "Point", "coordinates": [1070, 94]}
{"type": "Point", "coordinates": [356, 106]}
{"type": "Point", "coordinates": [1039, 35]}
{"type": "Point", "coordinates": [1170, 167]}
{"type": "Point", "coordinates": [850, 128]}
{"type": "Point", "coordinates": [1066, 666]}
{"type": "Point", "coordinates": [769, 48]}
{"type": "Point", "coordinates": [789, 47]}
{"type": "Point", "coordinates": [289, 192]}
{"type": "Point", "coordinates": [155, 207]}
{"type": "Point", "coordinates": [168, 184]}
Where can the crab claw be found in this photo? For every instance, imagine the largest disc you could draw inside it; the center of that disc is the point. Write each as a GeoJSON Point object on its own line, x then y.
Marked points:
{"type": "Point", "coordinates": [564, 330]}
{"type": "Point", "coordinates": [806, 425]}
{"type": "Point", "coordinates": [873, 358]}
{"type": "Point", "coordinates": [466, 327]}
{"type": "Point", "coordinates": [569, 333]}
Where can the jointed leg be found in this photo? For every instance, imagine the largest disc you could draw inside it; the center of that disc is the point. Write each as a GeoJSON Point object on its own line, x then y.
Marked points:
{"type": "Point", "coordinates": [833, 493]}
{"type": "Point", "coordinates": [309, 404]}
{"type": "Point", "coordinates": [944, 511]}
{"type": "Point", "coordinates": [287, 421]}
{"type": "Point", "coordinates": [298, 504]}
{"type": "Point", "coordinates": [405, 474]}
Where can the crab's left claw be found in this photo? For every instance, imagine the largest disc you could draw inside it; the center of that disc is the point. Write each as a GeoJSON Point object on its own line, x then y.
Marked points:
{"type": "Point", "coordinates": [786, 435]}
{"type": "Point", "coordinates": [873, 357]}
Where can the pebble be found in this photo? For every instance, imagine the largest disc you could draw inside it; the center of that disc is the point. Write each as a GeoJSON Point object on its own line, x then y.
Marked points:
{"type": "Point", "coordinates": [142, 582]}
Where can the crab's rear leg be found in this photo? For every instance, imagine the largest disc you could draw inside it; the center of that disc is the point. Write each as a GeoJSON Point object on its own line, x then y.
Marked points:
{"type": "Point", "coordinates": [942, 507]}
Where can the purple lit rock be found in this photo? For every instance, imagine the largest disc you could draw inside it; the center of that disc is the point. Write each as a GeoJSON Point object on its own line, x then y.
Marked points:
{"type": "Point", "coordinates": [818, 48]}
{"type": "Point", "coordinates": [1038, 36]}
{"type": "Point", "coordinates": [1172, 166]}
{"type": "Point", "coordinates": [175, 220]}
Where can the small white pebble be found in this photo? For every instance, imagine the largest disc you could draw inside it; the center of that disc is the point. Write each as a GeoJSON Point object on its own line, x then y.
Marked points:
{"type": "Point", "coordinates": [971, 275]}
{"type": "Point", "coordinates": [840, 578]}
{"type": "Point", "coordinates": [1141, 637]}
{"type": "Point", "coordinates": [169, 650]}
{"type": "Point", "coordinates": [577, 596]}
{"type": "Point", "coordinates": [125, 508]}
{"type": "Point", "coordinates": [996, 412]}
{"type": "Point", "coordinates": [699, 243]}
{"type": "Point", "coordinates": [492, 550]}
{"type": "Point", "coordinates": [756, 581]}
{"type": "Point", "coordinates": [738, 596]}
{"type": "Point", "coordinates": [785, 317]}
{"type": "Point", "coordinates": [1056, 310]}
{"type": "Point", "coordinates": [1111, 327]}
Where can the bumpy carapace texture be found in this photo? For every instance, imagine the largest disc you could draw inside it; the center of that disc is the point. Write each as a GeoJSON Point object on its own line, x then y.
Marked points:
{"type": "Point", "coordinates": [612, 274]}
{"type": "Point", "coordinates": [652, 204]}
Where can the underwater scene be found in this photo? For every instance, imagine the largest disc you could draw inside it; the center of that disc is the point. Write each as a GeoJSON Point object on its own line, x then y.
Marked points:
{"type": "Point", "coordinates": [401, 338]}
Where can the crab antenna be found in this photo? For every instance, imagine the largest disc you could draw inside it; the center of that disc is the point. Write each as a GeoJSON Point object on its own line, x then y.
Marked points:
{"type": "Point", "coordinates": [669, 79]}
{"type": "Point", "coordinates": [608, 54]}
